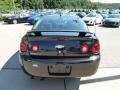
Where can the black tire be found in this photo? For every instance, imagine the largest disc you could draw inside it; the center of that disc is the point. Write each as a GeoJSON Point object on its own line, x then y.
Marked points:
{"type": "Point", "coordinates": [118, 26]}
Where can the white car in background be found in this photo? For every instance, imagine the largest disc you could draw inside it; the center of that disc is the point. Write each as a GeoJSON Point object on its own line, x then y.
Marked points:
{"type": "Point", "coordinates": [92, 19]}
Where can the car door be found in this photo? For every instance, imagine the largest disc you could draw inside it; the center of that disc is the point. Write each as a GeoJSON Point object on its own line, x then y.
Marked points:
{"type": "Point", "coordinates": [23, 19]}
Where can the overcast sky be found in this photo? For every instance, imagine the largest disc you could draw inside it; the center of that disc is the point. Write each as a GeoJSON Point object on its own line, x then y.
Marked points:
{"type": "Point", "coordinates": [107, 1]}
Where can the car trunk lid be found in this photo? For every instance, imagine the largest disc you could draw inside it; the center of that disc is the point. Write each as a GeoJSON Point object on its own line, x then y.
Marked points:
{"type": "Point", "coordinates": [60, 44]}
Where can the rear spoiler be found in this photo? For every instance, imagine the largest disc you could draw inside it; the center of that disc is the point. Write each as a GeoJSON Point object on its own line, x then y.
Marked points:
{"type": "Point", "coordinates": [81, 34]}
{"type": "Point", "coordinates": [34, 33]}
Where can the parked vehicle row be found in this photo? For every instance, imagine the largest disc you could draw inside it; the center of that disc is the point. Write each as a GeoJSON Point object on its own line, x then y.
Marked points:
{"type": "Point", "coordinates": [89, 17]}
{"type": "Point", "coordinates": [92, 17]}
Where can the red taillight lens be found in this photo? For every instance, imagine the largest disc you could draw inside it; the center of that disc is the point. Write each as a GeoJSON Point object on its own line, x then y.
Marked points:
{"type": "Point", "coordinates": [24, 47]}
{"type": "Point", "coordinates": [84, 48]}
{"type": "Point", "coordinates": [35, 47]}
{"type": "Point", "coordinates": [96, 48]}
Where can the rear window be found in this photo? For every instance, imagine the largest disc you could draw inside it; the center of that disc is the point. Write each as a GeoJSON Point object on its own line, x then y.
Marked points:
{"type": "Point", "coordinates": [60, 24]}
{"type": "Point", "coordinates": [114, 16]}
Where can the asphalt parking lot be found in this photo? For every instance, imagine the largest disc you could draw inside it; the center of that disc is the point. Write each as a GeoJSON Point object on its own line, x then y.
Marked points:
{"type": "Point", "coordinates": [13, 78]}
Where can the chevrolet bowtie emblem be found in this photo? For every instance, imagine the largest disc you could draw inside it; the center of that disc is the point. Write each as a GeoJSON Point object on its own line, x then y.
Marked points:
{"type": "Point", "coordinates": [60, 49]}
{"type": "Point", "coordinates": [59, 46]}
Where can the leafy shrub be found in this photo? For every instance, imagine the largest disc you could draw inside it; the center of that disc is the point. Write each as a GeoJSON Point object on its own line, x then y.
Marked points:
{"type": "Point", "coordinates": [2, 18]}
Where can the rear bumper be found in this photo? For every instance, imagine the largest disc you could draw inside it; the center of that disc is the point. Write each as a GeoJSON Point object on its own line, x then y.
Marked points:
{"type": "Point", "coordinates": [78, 67]}
{"type": "Point", "coordinates": [115, 24]}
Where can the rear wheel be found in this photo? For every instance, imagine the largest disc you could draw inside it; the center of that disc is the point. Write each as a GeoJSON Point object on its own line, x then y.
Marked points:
{"type": "Point", "coordinates": [15, 21]}
{"type": "Point", "coordinates": [118, 25]}
{"type": "Point", "coordinates": [101, 23]}
{"type": "Point", "coordinates": [32, 77]}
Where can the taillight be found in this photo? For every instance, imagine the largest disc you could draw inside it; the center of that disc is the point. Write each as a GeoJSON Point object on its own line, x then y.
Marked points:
{"type": "Point", "coordinates": [35, 47]}
{"type": "Point", "coordinates": [84, 48]}
{"type": "Point", "coordinates": [24, 47]}
{"type": "Point", "coordinates": [96, 48]}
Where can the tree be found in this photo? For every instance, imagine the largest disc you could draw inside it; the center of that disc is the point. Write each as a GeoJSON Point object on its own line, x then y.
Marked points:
{"type": "Point", "coordinates": [6, 5]}
{"type": "Point", "coordinates": [53, 4]}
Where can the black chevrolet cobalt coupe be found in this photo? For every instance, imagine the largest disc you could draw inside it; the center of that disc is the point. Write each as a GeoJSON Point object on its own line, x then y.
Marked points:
{"type": "Point", "coordinates": [60, 46]}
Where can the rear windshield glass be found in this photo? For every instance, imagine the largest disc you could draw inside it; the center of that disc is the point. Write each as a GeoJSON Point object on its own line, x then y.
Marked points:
{"type": "Point", "coordinates": [60, 24]}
